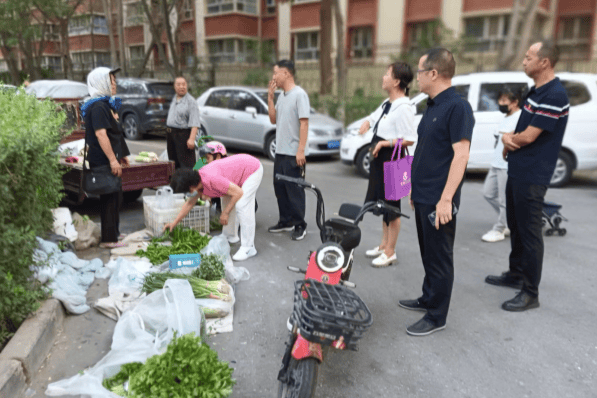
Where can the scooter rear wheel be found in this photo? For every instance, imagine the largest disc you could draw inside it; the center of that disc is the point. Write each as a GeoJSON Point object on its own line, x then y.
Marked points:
{"type": "Point", "coordinates": [302, 379]}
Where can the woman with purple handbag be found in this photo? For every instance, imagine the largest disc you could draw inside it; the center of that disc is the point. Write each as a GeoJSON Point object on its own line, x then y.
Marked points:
{"type": "Point", "coordinates": [392, 121]}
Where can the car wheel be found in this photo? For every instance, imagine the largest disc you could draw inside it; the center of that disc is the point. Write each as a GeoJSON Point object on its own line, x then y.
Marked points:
{"type": "Point", "coordinates": [270, 147]}
{"type": "Point", "coordinates": [563, 171]}
{"type": "Point", "coordinates": [131, 127]}
{"type": "Point", "coordinates": [131, 196]}
{"type": "Point", "coordinates": [363, 162]}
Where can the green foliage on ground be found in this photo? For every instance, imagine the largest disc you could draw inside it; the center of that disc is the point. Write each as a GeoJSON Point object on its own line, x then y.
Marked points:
{"type": "Point", "coordinates": [30, 186]}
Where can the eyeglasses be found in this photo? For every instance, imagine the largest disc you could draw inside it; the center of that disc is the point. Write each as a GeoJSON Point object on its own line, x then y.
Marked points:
{"type": "Point", "coordinates": [423, 70]}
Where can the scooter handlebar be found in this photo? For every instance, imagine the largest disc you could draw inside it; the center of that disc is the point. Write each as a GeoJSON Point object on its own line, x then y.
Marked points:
{"type": "Point", "coordinates": [298, 181]}
{"type": "Point", "coordinates": [395, 210]}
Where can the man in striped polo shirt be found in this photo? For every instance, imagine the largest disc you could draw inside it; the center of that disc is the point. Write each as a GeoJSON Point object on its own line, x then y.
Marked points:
{"type": "Point", "coordinates": [532, 151]}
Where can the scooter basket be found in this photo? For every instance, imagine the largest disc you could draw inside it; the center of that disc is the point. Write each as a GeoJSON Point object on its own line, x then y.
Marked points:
{"type": "Point", "coordinates": [325, 313]}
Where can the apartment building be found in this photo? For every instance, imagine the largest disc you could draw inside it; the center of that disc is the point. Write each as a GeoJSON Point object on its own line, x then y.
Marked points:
{"type": "Point", "coordinates": [376, 31]}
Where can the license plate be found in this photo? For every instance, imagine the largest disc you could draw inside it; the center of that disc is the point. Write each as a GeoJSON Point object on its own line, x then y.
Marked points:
{"type": "Point", "coordinates": [333, 144]}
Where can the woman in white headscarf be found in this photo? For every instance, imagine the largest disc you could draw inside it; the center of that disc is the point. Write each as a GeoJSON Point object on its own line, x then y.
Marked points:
{"type": "Point", "coordinates": [106, 145]}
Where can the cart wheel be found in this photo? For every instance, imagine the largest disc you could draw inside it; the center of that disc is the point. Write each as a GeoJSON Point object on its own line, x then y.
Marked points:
{"type": "Point", "coordinates": [549, 232]}
{"type": "Point", "coordinates": [562, 232]}
{"type": "Point", "coordinates": [557, 220]}
{"type": "Point", "coordinates": [544, 221]}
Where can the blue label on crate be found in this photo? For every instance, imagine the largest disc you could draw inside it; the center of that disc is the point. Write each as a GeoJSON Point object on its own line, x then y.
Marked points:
{"type": "Point", "coordinates": [184, 260]}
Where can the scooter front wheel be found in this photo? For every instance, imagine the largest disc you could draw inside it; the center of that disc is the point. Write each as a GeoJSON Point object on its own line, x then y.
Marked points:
{"type": "Point", "coordinates": [302, 379]}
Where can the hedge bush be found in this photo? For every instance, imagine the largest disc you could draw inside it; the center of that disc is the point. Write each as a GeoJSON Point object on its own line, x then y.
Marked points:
{"type": "Point", "coordinates": [30, 186]}
{"type": "Point", "coordinates": [357, 106]}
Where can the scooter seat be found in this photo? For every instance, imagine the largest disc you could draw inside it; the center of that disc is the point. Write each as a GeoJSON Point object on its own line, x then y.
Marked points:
{"type": "Point", "coordinates": [346, 233]}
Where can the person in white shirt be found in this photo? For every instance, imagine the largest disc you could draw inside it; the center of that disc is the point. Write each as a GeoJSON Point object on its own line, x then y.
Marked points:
{"type": "Point", "coordinates": [494, 189]}
{"type": "Point", "coordinates": [393, 120]}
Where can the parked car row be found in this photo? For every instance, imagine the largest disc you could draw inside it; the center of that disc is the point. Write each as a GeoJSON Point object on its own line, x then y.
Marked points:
{"type": "Point", "coordinates": [579, 148]}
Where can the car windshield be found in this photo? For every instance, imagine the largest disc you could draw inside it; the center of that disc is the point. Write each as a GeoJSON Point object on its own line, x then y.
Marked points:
{"type": "Point", "coordinates": [263, 96]}
{"type": "Point", "coordinates": [164, 89]}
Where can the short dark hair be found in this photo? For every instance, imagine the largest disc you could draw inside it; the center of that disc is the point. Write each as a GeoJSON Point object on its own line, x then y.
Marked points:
{"type": "Point", "coordinates": [550, 51]}
{"type": "Point", "coordinates": [403, 72]}
{"type": "Point", "coordinates": [442, 61]}
{"type": "Point", "coordinates": [183, 179]}
{"type": "Point", "coordinates": [288, 64]}
{"type": "Point", "coordinates": [513, 94]}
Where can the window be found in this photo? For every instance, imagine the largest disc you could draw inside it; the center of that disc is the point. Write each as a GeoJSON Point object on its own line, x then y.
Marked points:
{"type": "Point", "coordinates": [124, 86]}
{"type": "Point", "coordinates": [489, 95]}
{"type": "Point", "coordinates": [82, 61]}
{"type": "Point", "coordinates": [423, 35]}
{"type": "Point", "coordinates": [263, 96]}
{"type": "Point", "coordinates": [578, 93]}
{"type": "Point", "coordinates": [82, 25]}
{"type": "Point", "coordinates": [362, 43]}
{"type": "Point", "coordinates": [307, 46]}
{"type": "Point", "coordinates": [3, 66]}
{"type": "Point", "coordinates": [52, 32]}
{"type": "Point", "coordinates": [487, 33]}
{"type": "Point", "coordinates": [219, 99]}
{"type": "Point", "coordinates": [242, 99]}
{"type": "Point", "coordinates": [53, 63]}
{"type": "Point", "coordinates": [219, 6]}
{"type": "Point", "coordinates": [103, 59]}
{"type": "Point", "coordinates": [187, 10]}
{"type": "Point", "coordinates": [574, 36]}
{"type": "Point", "coordinates": [187, 53]}
{"type": "Point", "coordinates": [137, 55]}
{"type": "Point", "coordinates": [135, 14]}
{"type": "Point", "coordinates": [270, 6]}
{"type": "Point", "coordinates": [230, 51]}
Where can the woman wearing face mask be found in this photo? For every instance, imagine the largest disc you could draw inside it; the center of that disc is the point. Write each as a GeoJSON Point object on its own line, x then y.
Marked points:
{"type": "Point", "coordinates": [494, 188]}
{"type": "Point", "coordinates": [106, 145]}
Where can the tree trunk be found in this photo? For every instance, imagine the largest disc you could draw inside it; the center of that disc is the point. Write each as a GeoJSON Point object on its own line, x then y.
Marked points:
{"type": "Point", "coordinates": [509, 50]}
{"type": "Point", "coordinates": [9, 56]}
{"type": "Point", "coordinates": [340, 61]}
{"type": "Point", "coordinates": [120, 22]}
{"type": "Point", "coordinates": [139, 72]}
{"type": "Point", "coordinates": [93, 63]}
{"type": "Point", "coordinates": [156, 32]}
{"type": "Point", "coordinates": [107, 4]}
{"type": "Point", "coordinates": [325, 47]}
{"type": "Point", "coordinates": [168, 28]}
{"type": "Point", "coordinates": [529, 17]}
{"type": "Point", "coordinates": [65, 49]}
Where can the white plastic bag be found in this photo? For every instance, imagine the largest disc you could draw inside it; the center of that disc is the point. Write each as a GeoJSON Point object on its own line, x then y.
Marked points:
{"type": "Point", "coordinates": [63, 223]}
{"type": "Point", "coordinates": [164, 156]}
{"type": "Point", "coordinates": [164, 198]}
{"type": "Point", "coordinates": [127, 276]}
{"type": "Point", "coordinates": [139, 334]}
{"type": "Point", "coordinates": [219, 245]}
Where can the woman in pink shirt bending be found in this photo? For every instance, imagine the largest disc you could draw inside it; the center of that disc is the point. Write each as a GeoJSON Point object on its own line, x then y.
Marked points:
{"type": "Point", "coordinates": [235, 179]}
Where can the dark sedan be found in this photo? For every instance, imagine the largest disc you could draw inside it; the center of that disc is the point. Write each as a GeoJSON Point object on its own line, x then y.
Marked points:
{"type": "Point", "coordinates": [145, 104]}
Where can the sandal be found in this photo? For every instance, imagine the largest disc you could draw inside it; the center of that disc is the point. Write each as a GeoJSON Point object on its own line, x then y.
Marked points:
{"type": "Point", "coordinates": [122, 236]}
{"type": "Point", "coordinates": [112, 245]}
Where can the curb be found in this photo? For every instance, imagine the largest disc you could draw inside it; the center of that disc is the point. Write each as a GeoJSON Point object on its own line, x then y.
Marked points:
{"type": "Point", "coordinates": [28, 348]}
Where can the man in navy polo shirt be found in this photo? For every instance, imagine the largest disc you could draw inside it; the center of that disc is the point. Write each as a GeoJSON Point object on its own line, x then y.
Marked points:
{"type": "Point", "coordinates": [444, 139]}
{"type": "Point", "coordinates": [532, 151]}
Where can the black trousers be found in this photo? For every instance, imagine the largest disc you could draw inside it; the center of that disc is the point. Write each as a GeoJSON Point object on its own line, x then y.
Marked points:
{"type": "Point", "coordinates": [291, 198]}
{"type": "Point", "coordinates": [178, 152]}
{"type": "Point", "coordinates": [524, 207]}
{"type": "Point", "coordinates": [110, 217]}
{"type": "Point", "coordinates": [437, 252]}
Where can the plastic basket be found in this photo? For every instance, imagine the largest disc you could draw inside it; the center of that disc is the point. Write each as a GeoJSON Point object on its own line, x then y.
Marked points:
{"type": "Point", "coordinates": [155, 219]}
{"type": "Point", "coordinates": [324, 313]}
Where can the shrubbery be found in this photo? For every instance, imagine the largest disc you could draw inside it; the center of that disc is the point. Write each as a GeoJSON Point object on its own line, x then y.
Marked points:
{"type": "Point", "coordinates": [357, 105]}
{"type": "Point", "coordinates": [30, 186]}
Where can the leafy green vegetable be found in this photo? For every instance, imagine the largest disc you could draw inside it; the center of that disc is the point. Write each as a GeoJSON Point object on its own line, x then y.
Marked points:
{"type": "Point", "coordinates": [188, 368]}
{"type": "Point", "coordinates": [214, 225]}
{"type": "Point", "coordinates": [184, 241]}
{"type": "Point", "coordinates": [219, 290]}
{"type": "Point", "coordinates": [211, 268]}
{"type": "Point", "coordinates": [115, 382]}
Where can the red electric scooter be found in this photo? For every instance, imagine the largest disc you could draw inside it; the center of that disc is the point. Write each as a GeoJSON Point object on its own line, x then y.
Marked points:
{"type": "Point", "coordinates": [326, 313]}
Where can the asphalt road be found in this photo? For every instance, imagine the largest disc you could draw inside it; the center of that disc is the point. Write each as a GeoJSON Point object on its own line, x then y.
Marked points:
{"type": "Point", "coordinates": [484, 351]}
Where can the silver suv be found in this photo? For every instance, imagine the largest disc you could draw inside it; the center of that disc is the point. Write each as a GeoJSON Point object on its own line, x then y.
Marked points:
{"type": "Point", "coordinates": [237, 116]}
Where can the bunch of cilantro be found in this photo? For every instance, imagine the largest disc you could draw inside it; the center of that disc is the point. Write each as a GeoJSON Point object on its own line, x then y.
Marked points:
{"type": "Point", "coordinates": [188, 369]}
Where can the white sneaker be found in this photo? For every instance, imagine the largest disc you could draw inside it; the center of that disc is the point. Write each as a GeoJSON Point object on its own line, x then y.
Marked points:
{"type": "Point", "coordinates": [383, 260]}
{"type": "Point", "coordinates": [506, 232]}
{"type": "Point", "coordinates": [244, 253]}
{"type": "Point", "coordinates": [231, 239]}
{"type": "Point", "coordinates": [373, 252]}
{"type": "Point", "coordinates": [493, 236]}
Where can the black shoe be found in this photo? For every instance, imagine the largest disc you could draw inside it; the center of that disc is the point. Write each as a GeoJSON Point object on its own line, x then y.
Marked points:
{"type": "Point", "coordinates": [279, 227]}
{"type": "Point", "coordinates": [504, 280]}
{"type": "Point", "coordinates": [522, 302]}
{"type": "Point", "coordinates": [413, 305]}
{"type": "Point", "coordinates": [423, 328]}
{"type": "Point", "coordinates": [299, 232]}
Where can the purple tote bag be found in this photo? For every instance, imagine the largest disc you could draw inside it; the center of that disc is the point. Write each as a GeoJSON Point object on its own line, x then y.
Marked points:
{"type": "Point", "coordinates": [396, 174]}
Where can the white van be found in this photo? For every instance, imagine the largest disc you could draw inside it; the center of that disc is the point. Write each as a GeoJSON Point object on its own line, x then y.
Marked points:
{"type": "Point", "coordinates": [579, 148]}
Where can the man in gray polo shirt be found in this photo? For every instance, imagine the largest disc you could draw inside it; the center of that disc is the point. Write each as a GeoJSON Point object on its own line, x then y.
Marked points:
{"type": "Point", "coordinates": [182, 125]}
{"type": "Point", "coordinates": [291, 117]}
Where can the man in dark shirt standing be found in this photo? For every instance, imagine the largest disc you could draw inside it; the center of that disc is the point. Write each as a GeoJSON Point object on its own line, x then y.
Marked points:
{"type": "Point", "coordinates": [532, 151]}
{"type": "Point", "coordinates": [444, 138]}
